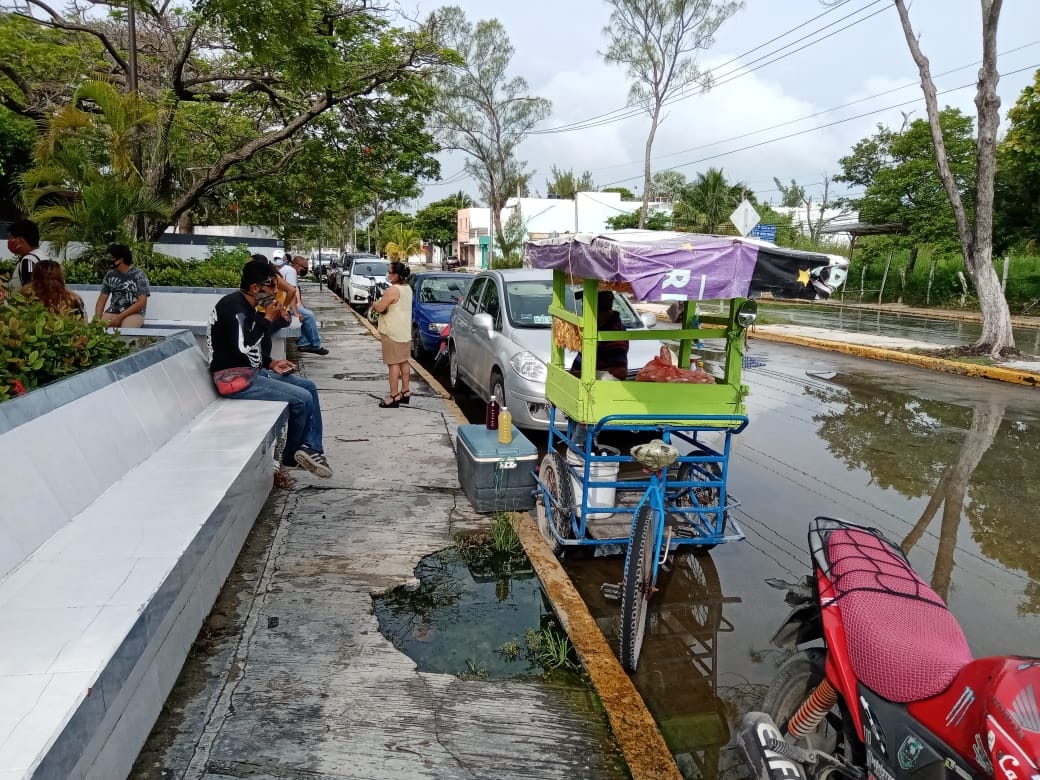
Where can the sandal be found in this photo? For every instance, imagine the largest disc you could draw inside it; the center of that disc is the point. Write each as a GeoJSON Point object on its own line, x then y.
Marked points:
{"type": "Point", "coordinates": [395, 401]}
{"type": "Point", "coordinates": [406, 397]}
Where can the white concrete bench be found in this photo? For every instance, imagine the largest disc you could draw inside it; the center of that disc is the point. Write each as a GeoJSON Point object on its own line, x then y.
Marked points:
{"type": "Point", "coordinates": [127, 493]}
{"type": "Point", "coordinates": [188, 308]}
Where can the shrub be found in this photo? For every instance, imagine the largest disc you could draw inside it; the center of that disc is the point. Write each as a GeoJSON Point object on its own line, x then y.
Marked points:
{"type": "Point", "coordinates": [221, 268]}
{"type": "Point", "coordinates": [38, 346]}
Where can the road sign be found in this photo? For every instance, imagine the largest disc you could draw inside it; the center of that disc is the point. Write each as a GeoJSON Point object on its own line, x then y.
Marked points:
{"type": "Point", "coordinates": [765, 232]}
{"type": "Point", "coordinates": [744, 217]}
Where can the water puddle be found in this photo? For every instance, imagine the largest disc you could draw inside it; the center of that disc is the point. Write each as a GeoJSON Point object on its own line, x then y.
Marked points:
{"type": "Point", "coordinates": [477, 613]}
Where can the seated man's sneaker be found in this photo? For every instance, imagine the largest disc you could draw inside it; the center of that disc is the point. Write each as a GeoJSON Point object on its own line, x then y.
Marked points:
{"type": "Point", "coordinates": [315, 462]}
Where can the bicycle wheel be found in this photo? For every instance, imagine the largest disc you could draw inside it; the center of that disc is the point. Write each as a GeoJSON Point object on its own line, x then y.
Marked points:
{"type": "Point", "coordinates": [555, 516]}
{"type": "Point", "coordinates": [637, 588]}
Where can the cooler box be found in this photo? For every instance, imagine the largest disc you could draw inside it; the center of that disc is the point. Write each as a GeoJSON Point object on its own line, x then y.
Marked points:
{"type": "Point", "coordinates": [496, 477]}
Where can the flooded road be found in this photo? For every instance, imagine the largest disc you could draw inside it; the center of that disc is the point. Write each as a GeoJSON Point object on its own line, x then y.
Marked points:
{"type": "Point", "coordinates": [943, 465]}
{"type": "Point", "coordinates": [892, 324]}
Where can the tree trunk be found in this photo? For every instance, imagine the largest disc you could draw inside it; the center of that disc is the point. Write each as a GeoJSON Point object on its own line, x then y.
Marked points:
{"type": "Point", "coordinates": [976, 238]}
{"type": "Point", "coordinates": [654, 118]}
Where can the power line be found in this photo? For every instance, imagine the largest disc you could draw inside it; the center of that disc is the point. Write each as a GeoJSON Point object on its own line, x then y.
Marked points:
{"type": "Point", "coordinates": [811, 116]}
{"type": "Point", "coordinates": [820, 127]}
{"type": "Point", "coordinates": [627, 112]}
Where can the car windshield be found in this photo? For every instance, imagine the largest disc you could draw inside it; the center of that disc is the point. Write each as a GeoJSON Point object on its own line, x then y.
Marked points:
{"type": "Point", "coordinates": [443, 289]}
{"type": "Point", "coordinates": [371, 268]}
{"type": "Point", "coordinates": [528, 304]}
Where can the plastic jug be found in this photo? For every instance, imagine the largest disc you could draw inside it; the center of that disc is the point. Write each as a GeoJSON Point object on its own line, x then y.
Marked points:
{"type": "Point", "coordinates": [505, 426]}
{"type": "Point", "coordinates": [491, 417]}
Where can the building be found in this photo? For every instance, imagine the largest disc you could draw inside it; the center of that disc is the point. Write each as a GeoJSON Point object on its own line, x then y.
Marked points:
{"type": "Point", "coordinates": [543, 218]}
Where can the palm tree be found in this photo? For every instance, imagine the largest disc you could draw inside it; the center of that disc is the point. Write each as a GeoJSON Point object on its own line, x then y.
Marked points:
{"type": "Point", "coordinates": [705, 204]}
{"type": "Point", "coordinates": [86, 184]}
{"type": "Point", "coordinates": [404, 243]}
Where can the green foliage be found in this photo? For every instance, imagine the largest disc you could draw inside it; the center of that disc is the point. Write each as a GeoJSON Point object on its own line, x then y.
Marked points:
{"type": "Point", "coordinates": [655, 220]}
{"type": "Point", "coordinates": [1017, 204]}
{"type": "Point", "coordinates": [901, 183]}
{"type": "Point", "coordinates": [38, 346]}
{"type": "Point", "coordinates": [503, 535]}
{"type": "Point", "coordinates": [705, 204]}
{"type": "Point", "coordinates": [404, 243]}
{"type": "Point", "coordinates": [551, 649]}
{"type": "Point", "coordinates": [511, 240]}
{"type": "Point", "coordinates": [482, 112]}
{"type": "Point", "coordinates": [624, 192]}
{"type": "Point", "coordinates": [565, 184]}
{"type": "Point", "coordinates": [221, 268]}
{"type": "Point", "coordinates": [438, 222]}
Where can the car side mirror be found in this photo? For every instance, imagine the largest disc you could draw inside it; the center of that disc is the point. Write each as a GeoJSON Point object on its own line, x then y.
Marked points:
{"type": "Point", "coordinates": [648, 319]}
{"type": "Point", "coordinates": [483, 321]}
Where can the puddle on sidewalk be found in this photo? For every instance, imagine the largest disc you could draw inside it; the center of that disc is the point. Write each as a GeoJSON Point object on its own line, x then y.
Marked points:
{"type": "Point", "coordinates": [477, 613]}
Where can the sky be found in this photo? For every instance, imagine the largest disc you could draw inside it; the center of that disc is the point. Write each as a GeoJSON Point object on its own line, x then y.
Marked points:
{"type": "Point", "coordinates": [788, 108]}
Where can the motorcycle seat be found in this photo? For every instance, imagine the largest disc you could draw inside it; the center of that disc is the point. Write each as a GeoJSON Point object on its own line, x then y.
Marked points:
{"type": "Point", "coordinates": [903, 642]}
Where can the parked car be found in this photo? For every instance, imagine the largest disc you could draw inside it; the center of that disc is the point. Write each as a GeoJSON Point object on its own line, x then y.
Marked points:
{"type": "Point", "coordinates": [340, 271]}
{"type": "Point", "coordinates": [434, 295]}
{"type": "Point", "coordinates": [358, 276]}
{"type": "Point", "coordinates": [321, 262]}
{"type": "Point", "coordinates": [450, 263]}
{"type": "Point", "coordinates": [501, 335]}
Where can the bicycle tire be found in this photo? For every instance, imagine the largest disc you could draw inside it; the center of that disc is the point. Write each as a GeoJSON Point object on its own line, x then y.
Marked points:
{"type": "Point", "coordinates": [557, 480]}
{"type": "Point", "coordinates": [637, 588]}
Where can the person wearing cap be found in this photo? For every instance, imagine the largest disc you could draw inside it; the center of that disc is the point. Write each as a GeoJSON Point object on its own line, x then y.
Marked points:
{"type": "Point", "coordinates": [240, 338]}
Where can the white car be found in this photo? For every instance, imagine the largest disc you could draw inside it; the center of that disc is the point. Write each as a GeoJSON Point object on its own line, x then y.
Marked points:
{"type": "Point", "coordinates": [501, 336]}
{"type": "Point", "coordinates": [356, 276]}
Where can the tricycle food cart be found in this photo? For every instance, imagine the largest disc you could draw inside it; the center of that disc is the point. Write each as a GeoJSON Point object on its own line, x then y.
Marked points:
{"type": "Point", "coordinates": [677, 494]}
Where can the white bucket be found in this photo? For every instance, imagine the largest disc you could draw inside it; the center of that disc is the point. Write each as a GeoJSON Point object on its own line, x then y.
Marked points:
{"type": "Point", "coordinates": [599, 471]}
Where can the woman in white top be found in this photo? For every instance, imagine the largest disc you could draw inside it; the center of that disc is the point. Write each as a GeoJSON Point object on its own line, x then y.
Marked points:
{"type": "Point", "coordinates": [395, 333]}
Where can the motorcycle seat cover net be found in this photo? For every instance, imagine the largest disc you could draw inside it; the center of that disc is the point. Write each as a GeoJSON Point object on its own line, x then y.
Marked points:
{"type": "Point", "coordinates": [904, 644]}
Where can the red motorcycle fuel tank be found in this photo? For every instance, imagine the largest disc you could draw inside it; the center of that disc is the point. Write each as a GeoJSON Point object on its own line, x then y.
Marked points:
{"type": "Point", "coordinates": [990, 714]}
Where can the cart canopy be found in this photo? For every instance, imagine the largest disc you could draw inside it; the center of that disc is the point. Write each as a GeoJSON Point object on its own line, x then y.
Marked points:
{"type": "Point", "coordinates": [668, 266]}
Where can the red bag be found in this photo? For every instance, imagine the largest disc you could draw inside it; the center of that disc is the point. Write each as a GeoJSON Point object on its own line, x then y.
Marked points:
{"type": "Point", "coordinates": [233, 380]}
{"type": "Point", "coordinates": [663, 369]}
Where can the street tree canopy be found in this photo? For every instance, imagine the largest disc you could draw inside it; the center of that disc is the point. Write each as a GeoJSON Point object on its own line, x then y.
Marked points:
{"type": "Point", "coordinates": [481, 111]}
{"type": "Point", "coordinates": [236, 100]}
{"type": "Point", "coordinates": [657, 41]}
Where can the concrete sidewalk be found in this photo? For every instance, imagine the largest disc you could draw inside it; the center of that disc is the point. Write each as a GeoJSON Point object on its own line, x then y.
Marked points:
{"type": "Point", "coordinates": [291, 678]}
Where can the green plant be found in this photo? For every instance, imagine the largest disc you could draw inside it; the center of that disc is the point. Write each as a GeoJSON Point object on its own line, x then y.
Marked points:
{"type": "Point", "coordinates": [550, 649]}
{"type": "Point", "coordinates": [503, 535]}
{"type": "Point", "coordinates": [38, 346]}
{"type": "Point", "coordinates": [510, 650]}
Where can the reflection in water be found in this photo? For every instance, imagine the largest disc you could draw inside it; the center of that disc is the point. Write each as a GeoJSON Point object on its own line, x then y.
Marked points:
{"type": "Point", "coordinates": [963, 459]}
{"type": "Point", "coordinates": [677, 675]}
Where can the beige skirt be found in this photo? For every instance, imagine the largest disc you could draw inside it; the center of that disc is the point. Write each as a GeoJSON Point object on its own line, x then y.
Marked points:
{"type": "Point", "coordinates": [395, 351]}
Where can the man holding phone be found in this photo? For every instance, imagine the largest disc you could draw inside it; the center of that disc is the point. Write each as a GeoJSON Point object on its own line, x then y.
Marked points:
{"type": "Point", "coordinates": [240, 361]}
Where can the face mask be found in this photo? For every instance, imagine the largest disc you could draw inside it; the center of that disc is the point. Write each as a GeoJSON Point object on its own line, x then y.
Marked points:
{"type": "Point", "coordinates": [263, 299]}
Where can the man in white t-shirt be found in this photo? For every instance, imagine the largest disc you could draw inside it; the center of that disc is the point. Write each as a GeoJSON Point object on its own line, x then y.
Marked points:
{"type": "Point", "coordinates": [310, 340]}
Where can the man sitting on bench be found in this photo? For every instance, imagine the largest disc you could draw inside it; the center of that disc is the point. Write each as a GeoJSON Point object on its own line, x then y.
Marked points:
{"type": "Point", "coordinates": [242, 368]}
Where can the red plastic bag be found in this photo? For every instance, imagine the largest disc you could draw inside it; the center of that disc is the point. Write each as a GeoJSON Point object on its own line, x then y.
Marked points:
{"type": "Point", "coordinates": [663, 369]}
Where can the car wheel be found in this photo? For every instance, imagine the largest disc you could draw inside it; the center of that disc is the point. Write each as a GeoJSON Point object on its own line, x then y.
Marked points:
{"type": "Point", "coordinates": [498, 387]}
{"type": "Point", "coordinates": [418, 351]}
{"type": "Point", "coordinates": [453, 367]}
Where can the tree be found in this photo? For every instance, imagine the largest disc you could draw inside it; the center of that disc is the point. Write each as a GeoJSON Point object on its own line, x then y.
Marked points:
{"type": "Point", "coordinates": [438, 222]}
{"type": "Point", "coordinates": [565, 185]}
{"type": "Point", "coordinates": [404, 243]}
{"type": "Point", "coordinates": [511, 240]}
{"type": "Point", "coordinates": [481, 111]}
{"type": "Point", "coordinates": [657, 41]}
{"type": "Point", "coordinates": [974, 231]}
{"type": "Point", "coordinates": [1017, 197]}
{"type": "Point", "coordinates": [624, 192]}
{"type": "Point", "coordinates": [655, 220]}
{"type": "Point", "coordinates": [901, 185]}
{"type": "Point", "coordinates": [67, 190]}
{"type": "Point", "coordinates": [705, 204]}
{"type": "Point", "coordinates": [17, 135]}
{"type": "Point", "coordinates": [236, 99]}
{"type": "Point", "coordinates": [797, 196]}
{"type": "Point", "coordinates": [667, 185]}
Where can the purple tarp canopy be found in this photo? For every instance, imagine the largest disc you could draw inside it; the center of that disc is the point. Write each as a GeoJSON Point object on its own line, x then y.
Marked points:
{"type": "Point", "coordinates": [662, 265]}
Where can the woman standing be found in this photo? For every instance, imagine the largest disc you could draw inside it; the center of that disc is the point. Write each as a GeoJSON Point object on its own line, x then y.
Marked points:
{"type": "Point", "coordinates": [395, 333]}
{"type": "Point", "coordinates": [48, 287]}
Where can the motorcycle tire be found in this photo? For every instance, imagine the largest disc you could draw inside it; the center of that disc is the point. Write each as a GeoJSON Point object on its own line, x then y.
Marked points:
{"type": "Point", "coordinates": [796, 678]}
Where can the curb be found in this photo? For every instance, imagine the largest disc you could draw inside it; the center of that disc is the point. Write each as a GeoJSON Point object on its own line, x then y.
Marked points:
{"type": "Point", "coordinates": [998, 373]}
{"type": "Point", "coordinates": [645, 751]}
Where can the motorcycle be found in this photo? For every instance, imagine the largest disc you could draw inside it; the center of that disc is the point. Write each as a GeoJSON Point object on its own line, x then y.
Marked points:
{"type": "Point", "coordinates": [882, 684]}
{"type": "Point", "coordinates": [376, 289]}
{"type": "Point", "coordinates": [440, 360]}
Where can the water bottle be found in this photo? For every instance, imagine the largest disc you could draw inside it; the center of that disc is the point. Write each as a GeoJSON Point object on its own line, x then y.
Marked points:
{"type": "Point", "coordinates": [491, 417]}
{"type": "Point", "coordinates": [505, 426]}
